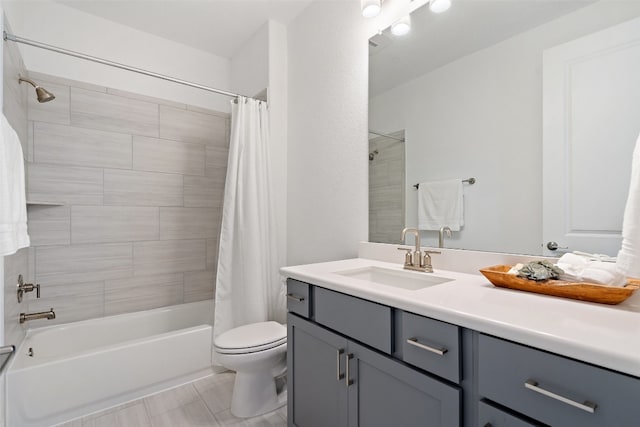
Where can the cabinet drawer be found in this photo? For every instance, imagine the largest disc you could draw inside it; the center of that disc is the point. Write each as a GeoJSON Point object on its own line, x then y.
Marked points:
{"type": "Point", "coordinates": [298, 297]}
{"type": "Point", "coordinates": [490, 416]}
{"type": "Point", "coordinates": [431, 345]}
{"type": "Point", "coordinates": [365, 321]}
{"type": "Point", "coordinates": [553, 389]}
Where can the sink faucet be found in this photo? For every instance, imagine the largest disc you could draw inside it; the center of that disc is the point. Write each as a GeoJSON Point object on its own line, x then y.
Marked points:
{"type": "Point", "coordinates": [417, 260]}
{"type": "Point", "coordinates": [441, 236]}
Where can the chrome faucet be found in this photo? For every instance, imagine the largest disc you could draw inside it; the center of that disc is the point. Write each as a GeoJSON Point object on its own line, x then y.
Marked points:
{"type": "Point", "coordinates": [441, 236]}
{"type": "Point", "coordinates": [49, 315]}
{"type": "Point", "coordinates": [417, 260]}
{"type": "Point", "coordinates": [26, 287]}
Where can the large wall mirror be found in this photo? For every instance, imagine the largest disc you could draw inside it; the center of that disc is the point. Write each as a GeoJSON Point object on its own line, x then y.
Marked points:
{"type": "Point", "coordinates": [537, 100]}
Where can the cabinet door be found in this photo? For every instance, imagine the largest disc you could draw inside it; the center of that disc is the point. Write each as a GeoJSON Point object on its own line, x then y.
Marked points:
{"type": "Point", "coordinates": [385, 392]}
{"type": "Point", "coordinates": [317, 394]}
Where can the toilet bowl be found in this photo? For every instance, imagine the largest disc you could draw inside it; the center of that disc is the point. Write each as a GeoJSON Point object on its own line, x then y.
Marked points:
{"type": "Point", "coordinates": [257, 352]}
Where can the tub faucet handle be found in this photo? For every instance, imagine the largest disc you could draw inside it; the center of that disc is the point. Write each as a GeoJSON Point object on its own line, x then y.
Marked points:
{"type": "Point", "coordinates": [26, 287]}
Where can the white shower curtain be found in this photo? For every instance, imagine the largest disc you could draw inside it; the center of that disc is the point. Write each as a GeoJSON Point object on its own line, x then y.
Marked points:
{"type": "Point", "coordinates": [248, 286]}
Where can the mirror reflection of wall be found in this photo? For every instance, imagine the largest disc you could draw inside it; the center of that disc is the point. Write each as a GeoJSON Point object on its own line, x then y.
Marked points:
{"type": "Point", "coordinates": [471, 101]}
{"type": "Point", "coordinates": [386, 186]}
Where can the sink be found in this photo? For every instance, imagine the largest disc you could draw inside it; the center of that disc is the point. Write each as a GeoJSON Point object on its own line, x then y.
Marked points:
{"type": "Point", "coordinates": [397, 278]}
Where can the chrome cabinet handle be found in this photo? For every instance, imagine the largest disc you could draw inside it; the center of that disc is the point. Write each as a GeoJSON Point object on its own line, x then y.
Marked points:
{"type": "Point", "coordinates": [348, 380]}
{"type": "Point", "coordinates": [587, 406]}
{"type": "Point", "coordinates": [440, 351]}
{"type": "Point", "coordinates": [339, 375]}
{"type": "Point", "coordinates": [295, 297]}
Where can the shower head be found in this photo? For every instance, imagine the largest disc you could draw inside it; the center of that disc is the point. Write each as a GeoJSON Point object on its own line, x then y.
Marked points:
{"type": "Point", "coordinates": [42, 94]}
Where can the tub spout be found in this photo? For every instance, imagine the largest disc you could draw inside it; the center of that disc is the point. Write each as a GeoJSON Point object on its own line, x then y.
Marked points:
{"type": "Point", "coordinates": [49, 315]}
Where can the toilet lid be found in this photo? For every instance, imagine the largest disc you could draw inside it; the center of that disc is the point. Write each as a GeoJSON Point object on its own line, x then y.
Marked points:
{"type": "Point", "coordinates": [251, 338]}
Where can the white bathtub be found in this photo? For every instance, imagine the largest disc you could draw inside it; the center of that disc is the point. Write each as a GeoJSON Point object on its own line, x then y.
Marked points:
{"type": "Point", "coordinates": [83, 367]}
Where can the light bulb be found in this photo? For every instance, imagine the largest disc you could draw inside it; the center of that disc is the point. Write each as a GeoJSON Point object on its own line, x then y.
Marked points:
{"type": "Point", "coordinates": [401, 26]}
{"type": "Point", "coordinates": [370, 8]}
{"type": "Point", "coordinates": [439, 6]}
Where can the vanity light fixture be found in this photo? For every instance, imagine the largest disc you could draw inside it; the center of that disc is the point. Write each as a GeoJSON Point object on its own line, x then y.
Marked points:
{"type": "Point", "coordinates": [402, 26]}
{"type": "Point", "coordinates": [370, 8]}
{"type": "Point", "coordinates": [439, 6]}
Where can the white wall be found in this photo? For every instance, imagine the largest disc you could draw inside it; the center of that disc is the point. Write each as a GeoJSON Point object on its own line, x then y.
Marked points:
{"type": "Point", "coordinates": [481, 116]}
{"type": "Point", "coordinates": [278, 110]}
{"type": "Point", "coordinates": [55, 24]}
{"type": "Point", "coordinates": [327, 125]}
{"type": "Point", "coordinates": [250, 65]}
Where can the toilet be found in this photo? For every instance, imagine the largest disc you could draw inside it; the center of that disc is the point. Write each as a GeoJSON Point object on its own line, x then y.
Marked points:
{"type": "Point", "coordinates": [257, 352]}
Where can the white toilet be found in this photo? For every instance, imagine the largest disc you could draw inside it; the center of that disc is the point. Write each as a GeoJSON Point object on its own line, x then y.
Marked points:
{"type": "Point", "coordinates": [257, 352]}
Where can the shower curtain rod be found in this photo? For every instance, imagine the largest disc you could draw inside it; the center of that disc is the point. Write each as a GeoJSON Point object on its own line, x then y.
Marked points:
{"type": "Point", "coordinates": [386, 136]}
{"type": "Point", "coordinates": [17, 39]}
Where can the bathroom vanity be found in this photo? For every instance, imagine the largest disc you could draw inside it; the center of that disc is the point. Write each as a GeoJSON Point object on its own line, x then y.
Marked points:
{"type": "Point", "coordinates": [449, 349]}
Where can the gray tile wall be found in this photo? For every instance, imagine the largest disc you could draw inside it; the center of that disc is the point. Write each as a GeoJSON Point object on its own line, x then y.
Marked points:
{"type": "Point", "coordinates": [386, 189]}
{"type": "Point", "coordinates": [142, 182]}
{"type": "Point", "coordinates": [15, 110]}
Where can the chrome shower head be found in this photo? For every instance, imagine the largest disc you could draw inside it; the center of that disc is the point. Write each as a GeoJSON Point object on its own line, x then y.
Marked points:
{"type": "Point", "coordinates": [42, 94]}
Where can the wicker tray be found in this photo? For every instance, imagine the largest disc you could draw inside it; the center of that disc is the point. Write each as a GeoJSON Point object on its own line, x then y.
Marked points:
{"type": "Point", "coordinates": [498, 276]}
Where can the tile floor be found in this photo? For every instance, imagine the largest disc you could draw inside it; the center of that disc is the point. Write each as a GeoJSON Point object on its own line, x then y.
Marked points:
{"type": "Point", "coordinates": [203, 403]}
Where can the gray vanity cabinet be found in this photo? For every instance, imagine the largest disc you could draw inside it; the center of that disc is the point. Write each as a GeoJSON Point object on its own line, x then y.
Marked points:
{"type": "Point", "coordinates": [553, 389]}
{"type": "Point", "coordinates": [334, 381]}
{"type": "Point", "coordinates": [317, 395]}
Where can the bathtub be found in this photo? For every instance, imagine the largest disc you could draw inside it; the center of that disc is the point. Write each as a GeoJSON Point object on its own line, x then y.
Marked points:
{"type": "Point", "coordinates": [87, 366]}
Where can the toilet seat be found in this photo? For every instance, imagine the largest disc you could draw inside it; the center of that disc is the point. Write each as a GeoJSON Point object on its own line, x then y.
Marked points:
{"type": "Point", "coordinates": [251, 338]}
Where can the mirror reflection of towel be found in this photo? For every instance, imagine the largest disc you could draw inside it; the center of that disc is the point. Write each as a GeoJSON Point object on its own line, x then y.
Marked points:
{"type": "Point", "coordinates": [440, 205]}
{"type": "Point", "coordinates": [628, 260]}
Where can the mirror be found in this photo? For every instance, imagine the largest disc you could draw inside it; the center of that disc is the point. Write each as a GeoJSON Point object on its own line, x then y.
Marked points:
{"type": "Point", "coordinates": [469, 91]}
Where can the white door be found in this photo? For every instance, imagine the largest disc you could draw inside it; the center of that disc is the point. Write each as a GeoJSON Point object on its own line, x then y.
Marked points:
{"type": "Point", "coordinates": [591, 120]}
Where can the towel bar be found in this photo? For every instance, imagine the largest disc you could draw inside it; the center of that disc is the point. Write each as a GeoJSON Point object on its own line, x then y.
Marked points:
{"type": "Point", "coordinates": [471, 181]}
{"type": "Point", "coordinates": [5, 354]}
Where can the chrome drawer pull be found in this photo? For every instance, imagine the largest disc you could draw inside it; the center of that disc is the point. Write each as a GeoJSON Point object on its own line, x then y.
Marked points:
{"type": "Point", "coordinates": [587, 406]}
{"type": "Point", "coordinates": [439, 351]}
{"type": "Point", "coordinates": [348, 380]}
{"type": "Point", "coordinates": [295, 298]}
{"type": "Point", "coordinates": [339, 376]}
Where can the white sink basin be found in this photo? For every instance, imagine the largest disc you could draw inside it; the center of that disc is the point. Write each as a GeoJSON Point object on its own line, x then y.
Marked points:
{"type": "Point", "coordinates": [403, 279]}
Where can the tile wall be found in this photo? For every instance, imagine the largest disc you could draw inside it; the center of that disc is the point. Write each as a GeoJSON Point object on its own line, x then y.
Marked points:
{"type": "Point", "coordinates": [386, 189]}
{"type": "Point", "coordinates": [15, 110]}
{"type": "Point", "coordinates": [140, 182]}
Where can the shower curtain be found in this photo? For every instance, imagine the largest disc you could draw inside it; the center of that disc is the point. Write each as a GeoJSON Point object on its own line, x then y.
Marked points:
{"type": "Point", "coordinates": [248, 286]}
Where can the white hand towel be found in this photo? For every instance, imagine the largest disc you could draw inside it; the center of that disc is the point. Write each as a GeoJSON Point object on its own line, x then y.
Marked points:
{"type": "Point", "coordinates": [13, 204]}
{"type": "Point", "coordinates": [440, 205]}
{"type": "Point", "coordinates": [628, 259]}
{"type": "Point", "coordinates": [578, 268]}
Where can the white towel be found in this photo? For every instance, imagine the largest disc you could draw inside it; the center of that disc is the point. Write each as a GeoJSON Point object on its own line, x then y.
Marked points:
{"type": "Point", "coordinates": [628, 259]}
{"type": "Point", "coordinates": [578, 268]}
{"type": "Point", "coordinates": [440, 205]}
{"type": "Point", "coordinates": [13, 204]}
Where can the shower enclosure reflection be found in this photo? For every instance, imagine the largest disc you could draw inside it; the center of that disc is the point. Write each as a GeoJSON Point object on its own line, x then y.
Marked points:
{"type": "Point", "coordinates": [386, 184]}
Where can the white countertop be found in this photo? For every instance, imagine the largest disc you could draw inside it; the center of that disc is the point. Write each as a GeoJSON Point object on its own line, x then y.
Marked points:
{"type": "Point", "coordinates": [603, 335]}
